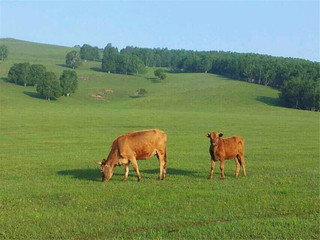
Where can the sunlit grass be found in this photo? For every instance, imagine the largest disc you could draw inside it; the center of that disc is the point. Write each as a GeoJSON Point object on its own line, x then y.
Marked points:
{"type": "Point", "coordinates": [51, 189]}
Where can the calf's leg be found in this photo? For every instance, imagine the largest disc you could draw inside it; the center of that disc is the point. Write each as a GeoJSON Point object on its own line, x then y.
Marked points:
{"type": "Point", "coordinates": [222, 168]}
{"type": "Point", "coordinates": [212, 168]}
{"type": "Point", "coordinates": [243, 166]}
{"type": "Point", "coordinates": [238, 166]}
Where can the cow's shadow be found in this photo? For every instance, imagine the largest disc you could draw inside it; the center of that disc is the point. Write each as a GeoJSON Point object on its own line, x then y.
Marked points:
{"type": "Point", "coordinates": [82, 174]}
{"type": "Point", "coordinates": [95, 175]}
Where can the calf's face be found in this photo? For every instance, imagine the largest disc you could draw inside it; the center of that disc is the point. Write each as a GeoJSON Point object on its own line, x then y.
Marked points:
{"type": "Point", "coordinates": [214, 138]}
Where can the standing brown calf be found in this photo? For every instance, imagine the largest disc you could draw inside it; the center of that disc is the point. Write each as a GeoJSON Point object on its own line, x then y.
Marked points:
{"type": "Point", "coordinates": [226, 148]}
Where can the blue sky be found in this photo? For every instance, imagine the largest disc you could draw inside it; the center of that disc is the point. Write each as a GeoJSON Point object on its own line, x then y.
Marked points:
{"type": "Point", "coordinates": [278, 28]}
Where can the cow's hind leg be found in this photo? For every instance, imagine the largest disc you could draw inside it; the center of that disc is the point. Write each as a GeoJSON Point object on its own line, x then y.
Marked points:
{"type": "Point", "coordinates": [126, 167]}
{"type": "Point", "coordinates": [135, 166]}
{"type": "Point", "coordinates": [162, 165]}
{"type": "Point", "coordinates": [165, 165]}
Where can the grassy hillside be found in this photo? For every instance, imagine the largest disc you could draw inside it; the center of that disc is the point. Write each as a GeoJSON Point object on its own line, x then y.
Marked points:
{"type": "Point", "coordinates": [51, 189]}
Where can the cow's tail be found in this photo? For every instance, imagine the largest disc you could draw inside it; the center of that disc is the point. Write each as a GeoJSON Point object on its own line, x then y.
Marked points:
{"type": "Point", "coordinates": [239, 159]}
{"type": "Point", "coordinates": [165, 159]}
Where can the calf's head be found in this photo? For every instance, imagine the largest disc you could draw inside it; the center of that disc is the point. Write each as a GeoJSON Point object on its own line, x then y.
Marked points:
{"type": "Point", "coordinates": [214, 138]}
{"type": "Point", "coordinates": [106, 170]}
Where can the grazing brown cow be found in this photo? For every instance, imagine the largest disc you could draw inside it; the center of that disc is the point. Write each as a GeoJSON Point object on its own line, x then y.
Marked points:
{"type": "Point", "coordinates": [225, 148]}
{"type": "Point", "coordinates": [134, 146]}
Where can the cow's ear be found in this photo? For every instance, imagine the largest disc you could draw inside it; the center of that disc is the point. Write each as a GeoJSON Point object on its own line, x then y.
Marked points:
{"type": "Point", "coordinates": [99, 163]}
{"type": "Point", "coordinates": [220, 134]}
{"type": "Point", "coordinates": [208, 135]}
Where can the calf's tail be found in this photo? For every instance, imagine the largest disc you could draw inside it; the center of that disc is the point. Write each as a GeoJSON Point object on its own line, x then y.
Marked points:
{"type": "Point", "coordinates": [165, 159]}
{"type": "Point", "coordinates": [239, 159]}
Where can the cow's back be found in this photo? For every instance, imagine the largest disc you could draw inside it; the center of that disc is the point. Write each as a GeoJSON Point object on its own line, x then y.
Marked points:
{"type": "Point", "coordinates": [142, 144]}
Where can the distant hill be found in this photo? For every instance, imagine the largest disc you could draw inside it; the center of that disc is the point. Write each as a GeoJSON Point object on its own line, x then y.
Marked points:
{"type": "Point", "coordinates": [20, 50]}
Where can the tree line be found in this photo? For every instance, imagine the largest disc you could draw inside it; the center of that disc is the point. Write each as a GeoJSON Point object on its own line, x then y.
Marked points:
{"type": "Point", "coordinates": [47, 83]}
{"type": "Point", "coordinates": [297, 79]}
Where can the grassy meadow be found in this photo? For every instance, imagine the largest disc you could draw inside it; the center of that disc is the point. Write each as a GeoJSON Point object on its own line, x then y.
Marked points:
{"type": "Point", "coordinates": [50, 187]}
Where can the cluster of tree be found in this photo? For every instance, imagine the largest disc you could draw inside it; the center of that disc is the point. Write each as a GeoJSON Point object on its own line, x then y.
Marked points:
{"type": "Point", "coordinates": [26, 74]}
{"type": "Point", "coordinates": [88, 52]}
{"type": "Point", "coordinates": [118, 62]}
{"type": "Point", "coordinates": [302, 94]}
{"type": "Point", "coordinates": [297, 79]}
{"type": "Point", "coordinates": [176, 60]}
{"type": "Point", "coordinates": [255, 68]}
{"type": "Point", "coordinates": [4, 52]}
{"type": "Point", "coordinates": [47, 83]}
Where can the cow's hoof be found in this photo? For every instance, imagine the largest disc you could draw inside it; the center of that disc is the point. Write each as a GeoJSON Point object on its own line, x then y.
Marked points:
{"type": "Point", "coordinates": [210, 177]}
{"type": "Point", "coordinates": [125, 179]}
{"type": "Point", "coordinates": [139, 179]}
{"type": "Point", "coordinates": [222, 178]}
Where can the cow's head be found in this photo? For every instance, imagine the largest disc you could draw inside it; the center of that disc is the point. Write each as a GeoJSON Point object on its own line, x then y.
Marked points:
{"type": "Point", "coordinates": [106, 170]}
{"type": "Point", "coordinates": [214, 138]}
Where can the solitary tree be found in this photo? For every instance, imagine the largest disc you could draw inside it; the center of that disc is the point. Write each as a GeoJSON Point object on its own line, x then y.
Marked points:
{"type": "Point", "coordinates": [4, 52]}
{"type": "Point", "coordinates": [73, 59]}
{"type": "Point", "coordinates": [68, 82]}
{"type": "Point", "coordinates": [37, 72]}
{"type": "Point", "coordinates": [49, 86]}
{"type": "Point", "coordinates": [160, 73]}
{"type": "Point", "coordinates": [19, 73]}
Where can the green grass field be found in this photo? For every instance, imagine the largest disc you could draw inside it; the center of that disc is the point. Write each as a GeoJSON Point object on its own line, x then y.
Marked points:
{"type": "Point", "coordinates": [50, 187]}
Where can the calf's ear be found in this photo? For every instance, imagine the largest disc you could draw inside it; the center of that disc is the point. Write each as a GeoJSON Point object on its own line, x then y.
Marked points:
{"type": "Point", "coordinates": [208, 135]}
{"type": "Point", "coordinates": [220, 134]}
{"type": "Point", "coordinates": [99, 163]}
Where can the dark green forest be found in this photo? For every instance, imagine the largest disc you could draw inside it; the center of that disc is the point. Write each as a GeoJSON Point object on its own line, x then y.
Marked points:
{"type": "Point", "coordinates": [297, 79]}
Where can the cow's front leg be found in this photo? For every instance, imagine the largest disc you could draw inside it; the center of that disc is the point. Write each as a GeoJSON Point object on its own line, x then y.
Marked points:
{"type": "Point", "coordinates": [212, 168]}
{"type": "Point", "coordinates": [222, 168]}
{"type": "Point", "coordinates": [126, 172]}
{"type": "Point", "coordinates": [135, 166]}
